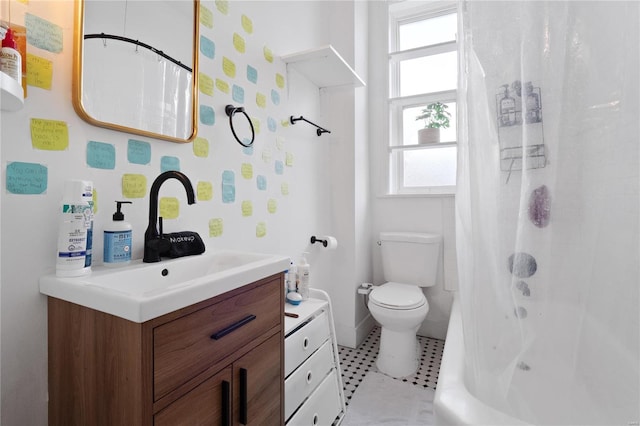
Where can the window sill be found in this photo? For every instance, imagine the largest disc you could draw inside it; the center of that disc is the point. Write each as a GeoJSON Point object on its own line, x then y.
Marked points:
{"type": "Point", "coordinates": [419, 195]}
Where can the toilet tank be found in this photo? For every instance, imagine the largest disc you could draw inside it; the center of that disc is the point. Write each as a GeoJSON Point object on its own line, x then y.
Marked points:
{"type": "Point", "coordinates": [410, 257]}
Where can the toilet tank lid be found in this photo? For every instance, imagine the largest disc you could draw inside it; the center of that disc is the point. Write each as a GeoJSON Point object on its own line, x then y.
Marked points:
{"type": "Point", "coordinates": [413, 237]}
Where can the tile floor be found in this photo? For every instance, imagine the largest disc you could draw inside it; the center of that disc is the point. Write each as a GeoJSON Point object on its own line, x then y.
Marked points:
{"type": "Point", "coordinates": [355, 363]}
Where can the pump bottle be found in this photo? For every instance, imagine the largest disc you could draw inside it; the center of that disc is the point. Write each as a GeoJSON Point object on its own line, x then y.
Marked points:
{"type": "Point", "coordinates": [303, 277]}
{"type": "Point", "coordinates": [117, 239]}
{"type": "Point", "coordinates": [10, 59]}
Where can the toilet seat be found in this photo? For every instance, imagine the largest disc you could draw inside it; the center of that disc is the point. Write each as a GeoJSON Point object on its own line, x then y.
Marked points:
{"type": "Point", "coordinates": [397, 296]}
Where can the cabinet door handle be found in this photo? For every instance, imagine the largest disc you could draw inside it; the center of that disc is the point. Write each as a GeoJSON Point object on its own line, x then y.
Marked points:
{"type": "Point", "coordinates": [243, 396]}
{"type": "Point", "coordinates": [236, 325]}
{"type": "Point", "coordinates": [226, 403]}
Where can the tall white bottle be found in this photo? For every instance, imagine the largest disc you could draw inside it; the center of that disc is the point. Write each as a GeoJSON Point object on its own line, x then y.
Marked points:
{"type": "Point", "coordinates": [303, 277]}
{"type": "Point", "coordinates": [75, 218]}
{"type": "Point", "coordinates": [10, 59]}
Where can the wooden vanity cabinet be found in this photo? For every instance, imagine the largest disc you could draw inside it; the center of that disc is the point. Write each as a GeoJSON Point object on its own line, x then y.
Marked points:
{"type": "Point", "coordinates": [217, 362]}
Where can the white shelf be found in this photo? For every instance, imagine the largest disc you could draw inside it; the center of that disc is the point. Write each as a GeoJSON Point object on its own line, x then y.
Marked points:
{"type": "Point", "coordinates": [324, 67]}
{"type": "Point", "coordinates": [12, 94]}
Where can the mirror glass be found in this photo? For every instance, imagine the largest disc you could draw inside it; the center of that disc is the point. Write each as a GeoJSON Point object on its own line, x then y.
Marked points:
{"type": "Point", "coordinates": [135, 66]}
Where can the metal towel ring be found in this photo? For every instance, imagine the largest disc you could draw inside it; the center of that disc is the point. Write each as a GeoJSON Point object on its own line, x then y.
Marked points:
{"type": "Point", "coordinates": [231, 111]}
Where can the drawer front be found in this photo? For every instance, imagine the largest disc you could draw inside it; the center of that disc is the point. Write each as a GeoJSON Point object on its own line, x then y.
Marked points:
{"type": "Point", "coordinates": [299, 345]}
{"type": "Point", "coordinates": [306, 378]}
{"type": "Point", "coordinates": [322, 407]}
{"type": "Point", "coordinates": [186, 346]}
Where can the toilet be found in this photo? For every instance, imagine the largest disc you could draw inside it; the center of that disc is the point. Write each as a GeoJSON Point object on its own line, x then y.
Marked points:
{"type": "Point", "coordinates": [409, 262]}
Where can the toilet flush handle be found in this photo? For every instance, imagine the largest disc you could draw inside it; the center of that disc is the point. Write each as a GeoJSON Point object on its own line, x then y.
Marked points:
{"type": "Point", "coordinates": [379, 242]}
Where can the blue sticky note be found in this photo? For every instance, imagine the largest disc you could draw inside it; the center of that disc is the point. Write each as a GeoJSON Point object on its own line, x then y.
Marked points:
{"type": "Point", "coordinates": [169, 163]}
{"type": "Point", "coordinates": [271, 124]}
{"type": "Point", "coordinates": [26, 178]}
{"type": "Point", "coordinates": [228, 187]}
{"type": "Point", "coordinates": [207, 115]}
{"type": "Point", "coordinates": [261, 181]}
{"type": "Point", "coordinates": [207, 47]}
{"type": "Point", "coordinates": [252, 74]}
{"type": "Point", "coordinates": [101, 155]}
{"type": "Point", "coordinates": [247, 149]}
{"type": "Point", "coordinates": [275, 97]}
{"type": "Point", "coordinates": [279, 167]}
{"type": "Point", "coordinates": [138, 152]}
{"type": "Point", "coordinates": [237, 93]}
{"type": "Point", "coordinates": [228, 177]}
{"type": "Point", "coordinates": [43, 34]}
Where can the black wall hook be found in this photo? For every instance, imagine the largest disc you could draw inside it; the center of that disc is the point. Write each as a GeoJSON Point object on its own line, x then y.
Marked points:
{"type": "Point", "coordinates": [231, 110]}
{"type": "Point", "coordinates": [319, 130]}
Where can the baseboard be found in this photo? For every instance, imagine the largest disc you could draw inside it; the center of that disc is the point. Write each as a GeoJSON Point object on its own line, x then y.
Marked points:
{"type": "Point", "coordinates": [350, 336]}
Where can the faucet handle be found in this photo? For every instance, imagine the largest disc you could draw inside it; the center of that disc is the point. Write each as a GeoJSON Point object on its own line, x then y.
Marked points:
{"type": "Point", "coordinates": [160, 225]}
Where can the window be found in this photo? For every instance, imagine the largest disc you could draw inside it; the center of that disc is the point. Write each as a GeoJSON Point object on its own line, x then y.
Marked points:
{"type": "Point", "coordinates": [423, 69]}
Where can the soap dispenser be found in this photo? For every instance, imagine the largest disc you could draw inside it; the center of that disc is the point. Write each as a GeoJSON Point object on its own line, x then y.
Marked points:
{"type": "Point", "coordinates": [117, 239]}
{"type": "Point", "coordinates": [303, 277]}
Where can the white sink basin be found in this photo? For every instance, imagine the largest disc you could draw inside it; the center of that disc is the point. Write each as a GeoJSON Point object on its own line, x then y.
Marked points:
{"type": "Point", "coordinates": [143, 291]}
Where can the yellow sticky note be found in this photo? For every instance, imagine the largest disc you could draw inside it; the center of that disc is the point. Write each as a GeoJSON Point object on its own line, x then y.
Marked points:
{"type": "Point", "coordinates": [247, 208]}
{"type": "Point", "coordinates": [238, 42]}
{"type": "Point", "coordinates": [206, 16]}
{"type": "Point", "coordinates": [222, 86]}
{"type": "Point", "coordinates": [279, 142]}
{"type": "Point", "coordinates": [247, 25]}
{"type": "Point", "coordinates": [280, 80]}
{"type": "Point", "coordinates": [261, 229]}
{"type": "Point", "coordinates": [215, 227]}
{"type": "Point", "coordinates": [49, 135]}
{"type": "Point", "coordinates": [284, 188]}
{"type": "Point", "coordinates": [201, 147]}
{"type": "Point", "coordinates": [268, 54]}
{"type": "Point", "coordinates": [261, 100]}
{"type": "Point", "coordinates": [95, 200]}
{"type": "Point", "coordinates": [134, 186]}
{"type": "Point", "coordinates": [272, 205]}
{"type": "Point", "coordinates": [229, 67]}
{"type": "Point", "coordinates": [288, 159]}
{"type": "Point", "coordinates": [266, 155]}
{"type": "Point", "coordinates": [205, 84]}
{"type": "Point", "coordinates": [169, 207]}
{"type": "Point", "coordinates": [223, 6]}
{"type": "Point", "coordinates": [246, 170]}
{"type": "Point", "coordinates": [39, 72]}
{"type": "Point", "coordinates": [204, 191]}
{"type": "Point", "coordinates": [256, 125]}
{"type": "Point", "coordinates": [285, 122]}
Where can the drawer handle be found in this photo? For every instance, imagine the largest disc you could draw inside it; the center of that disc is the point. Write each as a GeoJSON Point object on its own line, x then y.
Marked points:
{"type": "Point", "coordinates": [316, 418]}
{"type": "Point", "coordinates": [305, 343]}
{"type": "Point", "coordinates": [236, 325]}
{"type": "Point", "coordinates": [309, 377]}
{"type": "Point", "coordinates": [243, 396]}
{"type": "Point", "coordinates": [226, 403]}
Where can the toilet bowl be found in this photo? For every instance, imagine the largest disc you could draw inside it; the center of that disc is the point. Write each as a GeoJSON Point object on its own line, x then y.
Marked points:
{"type": "Point", "coordinates": [410, 262]}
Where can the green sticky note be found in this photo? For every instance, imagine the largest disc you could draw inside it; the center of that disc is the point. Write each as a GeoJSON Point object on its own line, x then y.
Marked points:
{"type": "Point", "coordinates": [134, 185]}
{"type": "Point", "coordinates": [215, 227]}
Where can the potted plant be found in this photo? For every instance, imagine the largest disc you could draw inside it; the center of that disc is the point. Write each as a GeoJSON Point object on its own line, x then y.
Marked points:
{"type": "Point", "coordinates": [435, 117]}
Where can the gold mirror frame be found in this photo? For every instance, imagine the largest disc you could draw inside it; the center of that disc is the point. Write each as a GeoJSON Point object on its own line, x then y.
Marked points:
{"type": "Point", "coordinates": [77, 84]}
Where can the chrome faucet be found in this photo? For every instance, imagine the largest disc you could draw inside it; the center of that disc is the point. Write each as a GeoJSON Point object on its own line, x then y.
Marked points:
{"type": "Point", "coordinates": [154, 243]}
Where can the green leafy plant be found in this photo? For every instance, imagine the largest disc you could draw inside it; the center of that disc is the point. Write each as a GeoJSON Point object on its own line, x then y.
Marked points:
{"type": "Point", "coordinates": [435, 116]}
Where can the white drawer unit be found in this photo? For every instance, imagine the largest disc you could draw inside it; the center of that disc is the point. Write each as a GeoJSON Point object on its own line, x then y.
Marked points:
{"type": "Point", "coordinates": [313, 384]}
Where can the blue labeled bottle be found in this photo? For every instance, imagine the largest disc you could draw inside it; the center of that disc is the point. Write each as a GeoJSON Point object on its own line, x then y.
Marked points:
{"type": "Point", "coordinates": [117, 239]}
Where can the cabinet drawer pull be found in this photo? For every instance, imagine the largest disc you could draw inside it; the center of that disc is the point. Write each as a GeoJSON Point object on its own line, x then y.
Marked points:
{"type": "Point", "coordinates": [305, 343]}
{"type": "Point", "coordinates": [243, 396]}
{"type": "Point", "coordinates": [226, 403]}
{"type": "Point", "coordinates": [236, 325]}
{"type": "Point", "coordinates": [316, 419]}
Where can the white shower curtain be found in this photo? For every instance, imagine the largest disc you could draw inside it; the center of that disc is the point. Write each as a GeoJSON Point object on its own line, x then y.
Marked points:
{"type": "Point", "coordinates": [547, 208]}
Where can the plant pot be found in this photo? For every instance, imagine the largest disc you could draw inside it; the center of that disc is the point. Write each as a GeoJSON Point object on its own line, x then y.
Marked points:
{"type": "Point", "coordinates": [428, 135]}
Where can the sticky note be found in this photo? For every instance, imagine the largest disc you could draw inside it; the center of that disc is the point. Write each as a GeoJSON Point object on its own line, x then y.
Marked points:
{"type": "Point", "coordinates": [207, 47]}
{"type": "Point", "coordinates": [246, 170]}
{"type": "Point", "coordinates": [279, 142]}
{"type": "Point", "coordinates": [256, 125]}
{"type": "Point", "coordinates": [288, 159]}
{"type": "Point", "coordinates": [247, 208]}
{"type": "Point", "coordinates": [138, 152]}
{"type": "Point", "coordinates": [204, 191]}
{"type": "Point", "coordinates": [43, 34]}
{"type": "Point", "coordinates": [215, 227]}
{"type": "Point", "coordinates": [261, 100]}
{"type": "Point", "coordinates": [275, 97]}
{"type": "Point", "coordinates": [39, 72]}
{"type": "Point", "coordinates": [49, 135]}
{"type": "Point", "coordinates": [268, 54]}
{"type": "Point", "coordinates": [206, 16]}
{"type": "Point", "coordinates": [228, 67]}
{"type": "Point", "coordinates": [261, 229]}
{"type": "Point", "coordinates": [285, 122]}
{"type": "Point", "coordinates": [284, 188]}
{"type": "Point", "coordinates": [223, 6]}
{"type": "Point", "coordinates": [271, 124]}
{"type": "Point", "coordinates": [201, 147]}
{"type": "Point", "coordinates": [238, 43]}
{"type": "Point", "coordinates": [280, 80]}
{"type": "Point", "coordinates": [248, 150]}
{"type": "Point", "coordinates": [168, 163]}
{"type": "Point", "coordinates": [134, 186]}
{"type": "Point", "coordinates": [205, 84]}
{"type": "Point", "coordinates": [247, 25]}
{"type": "Point", "coordinates": [94, 198]}
{"type": "Point", "coordinates": [266, 155]}
{"type": "Point", "coordinates": [222, 85]}
{"type": "Point", "coordinates": [228, 187]}
{"type": "Point", "coordinates": [261, 182]}
{"type": "Point", "coordinates": [272, 205]}
{"type": "Point", "coordinates": [279, 167]}
{"type": "Point", "coordinates": [207, 115]}
{"type": "Point", "coordinates": [26, 178]}
{"type": "Point", "coordinates": [101, 155]}
{"type": "Point", "coordinates": [237, 94]}
{"type": "Point", "coordinates": [169, 207]}
{"type": "Point", "coordinates": [252, 74]}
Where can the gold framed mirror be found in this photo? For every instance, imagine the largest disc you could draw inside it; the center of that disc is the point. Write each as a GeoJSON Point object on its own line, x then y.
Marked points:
{"type": "Point", "coordinates": [135, 66]}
